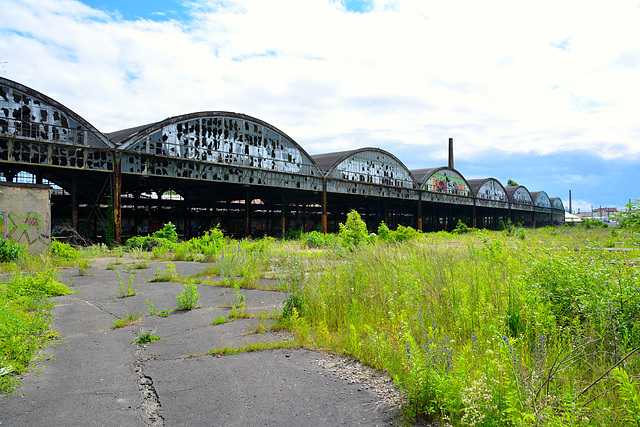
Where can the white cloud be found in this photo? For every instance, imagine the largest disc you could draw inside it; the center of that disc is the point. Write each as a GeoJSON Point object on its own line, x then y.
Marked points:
{"type": "Point", "coordinates": [497, 76]}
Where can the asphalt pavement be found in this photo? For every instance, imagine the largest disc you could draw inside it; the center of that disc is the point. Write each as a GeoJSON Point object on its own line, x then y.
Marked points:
{"type": "Point", "coordinates": [95, 375]}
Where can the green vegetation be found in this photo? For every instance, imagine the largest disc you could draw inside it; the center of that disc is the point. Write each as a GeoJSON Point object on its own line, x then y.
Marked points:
{"type": "Point", "coordinates": [168, 275]}
{"type": "Point", "coordinates": [145, 338]}
{"type": "Point", "coordinates": [189, 298]}
{"type": "Point", "coordinates": [486, 328]}
{"type": "Point", "coordinates": [127, 319]}
{"type": "Point", "coordinates": [128, 291]}
{"type": "Point", "coordinates": [24, 321]}
{"type": "Point", "coordinates": [513, 327]}
{"type": "Point", "coordinates": [152, 309]}
{"type": "Point", "coordinates": [11, 251]}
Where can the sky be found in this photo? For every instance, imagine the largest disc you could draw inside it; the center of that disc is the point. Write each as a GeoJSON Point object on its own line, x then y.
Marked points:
{"type": "Point", "coordinates": [545, 93]}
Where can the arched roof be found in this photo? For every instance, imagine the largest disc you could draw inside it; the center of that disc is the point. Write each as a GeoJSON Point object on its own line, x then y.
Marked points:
{"type": "Point", "coordinates": [540, 198]}
{"type": "Point", "coordinates": [519, 194]}
{"type": "Point", "coordinates": [219, 137]}
{"type": "Point", "coordinates": [488, 188]}
{"type": "Point", "coordinates": [556, 202]}
{"type": "Point", "coordinates": [29, 113]}
{"type": "Point", "coordinates": [367, 165]}
{"type": "Point", "coordinates": [442, 180]}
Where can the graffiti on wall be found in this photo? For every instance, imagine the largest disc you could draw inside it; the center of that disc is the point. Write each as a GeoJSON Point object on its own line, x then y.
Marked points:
{"type": "Point", "coordinates": [522, 196]}
{"type": "Point", "coordinates": [2, 216]}
{"type": "Point", "coordinates": [28, 228]}
{"type": "Point", "coordinates": [492, 190]}
{"type": "Point", "coordinates": [442, 183]}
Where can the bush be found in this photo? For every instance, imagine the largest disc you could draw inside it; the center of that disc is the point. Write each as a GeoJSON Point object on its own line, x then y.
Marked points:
{"type": "Point", "coordinates": [63, 250]}
{"type": "Point", "coordinates": [461, 228]}
{"type": "Point", "coordinates": [168, 232]}
{"type": "Point", "coordinates": [402, 233]}
{"type": "Point", "coordinates": [354, 231]}
{"type": "Point", "coordinates": [317, 239]}
{"type": "Point", "coordinates": [11, 251]}
{"type": "Point", "coordinates": [189, 297]}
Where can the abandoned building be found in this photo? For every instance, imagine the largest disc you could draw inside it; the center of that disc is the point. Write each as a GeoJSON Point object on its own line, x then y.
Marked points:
{"type": "Point", "coordinates": [212, 168]}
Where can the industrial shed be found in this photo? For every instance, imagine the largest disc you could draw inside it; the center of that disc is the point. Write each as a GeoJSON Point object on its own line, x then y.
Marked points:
{"type": "Point", "coordinates": [207, 168]}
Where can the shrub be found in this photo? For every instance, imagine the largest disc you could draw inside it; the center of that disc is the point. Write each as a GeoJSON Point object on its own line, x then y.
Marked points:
{"type": "Point", "coordinates": [11, 251]}
{"type": "Point", "coordinates": [406, 233]}
{"type": "Point", "coordinates": [189, 298]}
{"type": "Point", "coordinates": [384, 233]}
{"type": "Point", "coordinates": [317, 239]}
{"type": "Point", "coordinates": [294, 302]}
{"type": "Point", "coordinates": [63, 250]}
{"type": "Point", "coordinates": [41, 284]}
{"type": "Point", "coordinates": [354, 231]}
{"type": "Point", "coordinates": [168, 232]}
{"type": "Point", "coordinates": [461, 228]}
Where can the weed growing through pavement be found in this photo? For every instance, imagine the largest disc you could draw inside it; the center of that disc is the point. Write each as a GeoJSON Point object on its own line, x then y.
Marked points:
{"type": "Point", "coordinates": [83, 267]}
{"type": "Point", "coordinates": [129, 291]}
{"type": "Point", "coordinates": [189, 298]}
{"type": "Point", "coordinates": [145, 338]}
{"type": "Point", "coordinates": [220, 320]}
{"type": "Point", "coordinates": [164, 313]}
{"type": "Point", "coordinates": [151, 308]}
{"type": "Point", "coordinates": [167, 275]}
{"type": "Point", "coordinates": [127, 319]}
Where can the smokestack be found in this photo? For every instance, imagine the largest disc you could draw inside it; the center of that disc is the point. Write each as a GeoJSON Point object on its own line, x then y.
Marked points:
{"type": "Point", "coordinates": [570, 211]}
{"type": "Point", "coordinates": [451, 153]}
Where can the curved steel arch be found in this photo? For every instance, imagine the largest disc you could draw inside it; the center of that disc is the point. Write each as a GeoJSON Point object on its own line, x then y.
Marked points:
{"type": "Point", "coordinates": [519, 194]}
{"type": "Point", "coordinates": [367, 171]}
{"type": "Point", "coordinates": [556, 203]}
{"type": "Point", "coordinates": [541, 199]}
{"type": "Point", "coordinates": [481, 189]}
{"type": "Point", "coordinates": [217, 146]}
{"type": "Point", "coordinates": [443, 180]}
{"type": "Point", "coordinates": [27, 113]}
{"type": "Point", "coordinates": [128, 141]}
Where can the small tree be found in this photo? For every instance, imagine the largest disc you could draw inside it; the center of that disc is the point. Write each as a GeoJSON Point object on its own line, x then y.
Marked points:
{"type": "Point", "coordinates": [512, 183]}
{"type": "Point", "coordinates": [630, 219]}
{"type": "Point", "coordinates": [354, 231]}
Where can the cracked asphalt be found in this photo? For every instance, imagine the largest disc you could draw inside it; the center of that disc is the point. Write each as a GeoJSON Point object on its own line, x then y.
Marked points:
{"type": "Point", "coordinates": [94, 375]}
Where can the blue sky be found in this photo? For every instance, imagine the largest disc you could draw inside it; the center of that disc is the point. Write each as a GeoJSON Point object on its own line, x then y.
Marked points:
{"type": "Point", "coordinates": [155, 10]}
{"type": "Point", "coordinates": [543, 93]}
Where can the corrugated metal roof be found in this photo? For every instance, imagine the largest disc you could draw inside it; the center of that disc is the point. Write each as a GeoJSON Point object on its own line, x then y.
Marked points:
{"type": "Point", "coordinates": [118, 137]}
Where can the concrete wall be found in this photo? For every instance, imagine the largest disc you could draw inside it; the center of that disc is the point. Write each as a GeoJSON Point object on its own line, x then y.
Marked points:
{"type": "Point", "coordinates": [25, 215]}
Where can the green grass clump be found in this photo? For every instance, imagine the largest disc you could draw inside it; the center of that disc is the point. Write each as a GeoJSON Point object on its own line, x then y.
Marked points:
{"type": "Point", "coordinates": [145, 338]}
{"type": "Point", "coordinates": [167, 275]}
{"type": "Point", "coordinates": [485, 328]}
{"type": "Point", "coordinates": [189, 298]}
{"type": "Point", "coordinates": [25, 317]}
{"type": "Point", "coordinates": [63, 251]}
{"type": "Point", "coordinates": [11, 250]}
{"type": "Point", "coordinates": [127, 319]}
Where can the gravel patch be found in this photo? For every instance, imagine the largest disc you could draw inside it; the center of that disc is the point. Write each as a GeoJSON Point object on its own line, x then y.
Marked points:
{"type": "Point", "coordinates": [352, 371]}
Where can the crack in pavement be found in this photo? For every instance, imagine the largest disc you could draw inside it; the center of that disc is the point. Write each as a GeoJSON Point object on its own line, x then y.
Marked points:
{"type": "Point", "coordinates": [150, 400]}
{"type": "Point", "coordinates": [89, 303]}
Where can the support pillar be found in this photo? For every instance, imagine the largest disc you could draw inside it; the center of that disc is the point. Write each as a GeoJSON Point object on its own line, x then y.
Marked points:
{"type": "Point", "coordinates": [420, 212]}
{"type": "Point", "coordinates": [283, 215]}
{"type": "Point", "coordinates": [74, 203]}
{"type": "Point", "coordinates": [324, 206]}
{"type": "Point", "coordinates": [117, 198]}
{"type": "Point", "coordinates": [475, 222]}
{"type": "Point", "coordinates": [247, 218]}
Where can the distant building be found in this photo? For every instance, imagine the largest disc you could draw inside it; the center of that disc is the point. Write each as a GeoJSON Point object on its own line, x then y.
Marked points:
{"type": "Point", "coordinates": [605, 211]}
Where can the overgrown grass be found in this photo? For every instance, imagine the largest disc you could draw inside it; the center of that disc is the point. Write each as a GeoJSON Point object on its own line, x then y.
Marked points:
{"type": "Point", "coordinates": [485, 328]}
{"type": "Point", "coordinates": [126, 320]}
{"type": "Point", "coordinates": [515, 327]}
{"type": "Point", "coordinates": [24, 321]}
